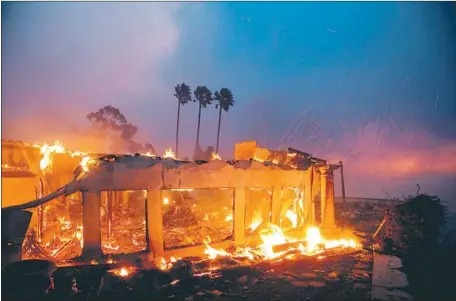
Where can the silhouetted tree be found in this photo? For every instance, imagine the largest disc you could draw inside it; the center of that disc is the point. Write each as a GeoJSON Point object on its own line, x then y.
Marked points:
{"type": "Point", "coordinates": [421, 220]}
{"type": "Point", "coordinates": [225, 101]}
{"type": "Point", "coordinates": [183, 95]}
{"type": "Point", "coordinates": [423, 247]}
{"type": "Point", "coordinates": [110, 122]}
{"type": "Point", "coordinates": [204, 98]}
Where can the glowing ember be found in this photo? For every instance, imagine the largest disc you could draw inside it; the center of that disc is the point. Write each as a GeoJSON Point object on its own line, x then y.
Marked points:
{"type": "Point", "coordinates": [166, 265]}
{"type": "Point", "coordinates": [79, 236]}
{"type": "Point", "coordinates": [169, 153]}
{"type": "Point", "coordinates": [258, 159]}
{"type": "Point", "coordinates": [216, 156]}
{"type": "Point", "coordinates": [149, 154]}
{"type": "Point", "coordinates": [229, 218]}
{"type": "Point", "coordinates": [165, 201]}
{"type": "Point", "coordinates": [123, 272]}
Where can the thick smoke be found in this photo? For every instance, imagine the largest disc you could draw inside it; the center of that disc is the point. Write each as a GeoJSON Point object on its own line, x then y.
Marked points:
{"type": "Point", "coordinates": [62, 61]}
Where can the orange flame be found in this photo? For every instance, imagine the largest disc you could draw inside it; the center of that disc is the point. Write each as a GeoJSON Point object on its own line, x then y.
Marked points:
{"type": "Point", "coordinates": [215, 156]}
{"type": "Point", "coordinates": [149, 154]}
{"type": "Point", "coordinates": [123, 272]}
{"type": "Point", "coordinates": [169, 153]}
{"type": "Point", "coordinates": [85, 163]}
{"type": "Point", "coordinates": [312, 244]}
{"type": "Point", "coordinates": [47, 151]}
{"type": "Point", "coordinates": [293, 217]}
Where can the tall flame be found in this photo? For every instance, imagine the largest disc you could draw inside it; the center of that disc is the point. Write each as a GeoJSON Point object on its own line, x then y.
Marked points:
{"type": "Point", "coordinates": [47, 151]}
{"type": "Point", "coordinates": [169, 153]}
{"type": "Point", "coordinates": [59, 148]}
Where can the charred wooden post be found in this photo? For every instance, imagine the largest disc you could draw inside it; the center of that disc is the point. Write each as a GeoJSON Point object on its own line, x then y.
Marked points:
{"type": "Point", "coordinates": [109, 213]}
{"type": "Point", "coordinates": [91, 205]}
{"type": "Point", "coordinates": [155, 223]}
{"type": "Point", "coordinates": [341, 165]}
{"type": "Point", "coordinates": [328, 219]}
{"type": "Point", "coordinates": [276, 205]}
{"type": "Point", "coordinates": [239, 215]}
{"type": "Point", "coordinates": [40, 219]}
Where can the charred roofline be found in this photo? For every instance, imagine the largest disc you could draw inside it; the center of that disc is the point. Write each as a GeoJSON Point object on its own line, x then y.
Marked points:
{"type": "Point", "coordinates": [308, 156]}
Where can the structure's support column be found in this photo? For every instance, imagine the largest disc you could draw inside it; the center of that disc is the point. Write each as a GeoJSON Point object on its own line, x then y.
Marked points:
{"type": "Point", "coordinates": [239, 216]}
{"type": "Point", "coordinates": [110, 197]}
{"type": "Point", "coordinates": [341, 165]}
{"type": "Point", "coordinates": [309, 207]}
{"type": "Point", "coordinates": [276, 207]}
{"type": "Point", "coordinates": [40, 212]}
{"type": "Point", "coordinates": [328, 219]}
{"type": "Point", "coordinates": [300, 214]}
{"type": "Point", "coordinates": [155, 223]}
{"type": "Point", "coordinates": [91, 203]}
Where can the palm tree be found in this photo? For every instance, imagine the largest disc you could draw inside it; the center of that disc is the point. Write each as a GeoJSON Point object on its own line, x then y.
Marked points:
{"type": "Point", "coordinates": [183, 95]}
{"type": "Point", "coordinates": [204, 98]}
{"type": "Point", "coordinates": [225, 101]}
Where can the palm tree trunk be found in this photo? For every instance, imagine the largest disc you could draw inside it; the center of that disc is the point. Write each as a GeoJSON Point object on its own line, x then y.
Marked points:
{"type": "Point", "coordinates": [218, 130]}
{"type": "Point", "coordinates": [198, 130]}
{"type": "Point", "coordinates": [177, 129]}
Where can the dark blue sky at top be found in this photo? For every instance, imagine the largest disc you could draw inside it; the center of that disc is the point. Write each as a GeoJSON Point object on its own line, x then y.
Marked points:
{"type": "Point", "coordinates": [344, 64]}
{"type": "Point", "coordinates": [338, 58]}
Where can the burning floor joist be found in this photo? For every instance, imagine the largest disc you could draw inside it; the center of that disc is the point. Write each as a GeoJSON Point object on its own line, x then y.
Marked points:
{"type": "Point", "coordinates": [160, 211]}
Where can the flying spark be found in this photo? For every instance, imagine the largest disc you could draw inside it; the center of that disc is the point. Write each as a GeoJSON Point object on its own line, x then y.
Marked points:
{"type": "Point", "coordinates": [436, 102]}
{"type": "Point", "coordinates": [379, 139]}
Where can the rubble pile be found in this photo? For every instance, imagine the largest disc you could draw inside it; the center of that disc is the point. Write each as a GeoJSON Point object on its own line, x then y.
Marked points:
{"type": "Point", "coordinates": [196, 216]}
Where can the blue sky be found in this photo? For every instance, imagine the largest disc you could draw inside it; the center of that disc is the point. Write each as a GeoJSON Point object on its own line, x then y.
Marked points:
{"type": "Point", "coordinates": [365, 82]}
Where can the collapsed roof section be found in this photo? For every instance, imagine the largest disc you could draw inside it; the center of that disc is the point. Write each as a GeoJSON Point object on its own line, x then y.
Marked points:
{"type": "Point", "coordinates": [146, 173]}
{"type": "Point", "coordinates": [252, 167]}
{"type": "Point", "coordinates": [149, 173]}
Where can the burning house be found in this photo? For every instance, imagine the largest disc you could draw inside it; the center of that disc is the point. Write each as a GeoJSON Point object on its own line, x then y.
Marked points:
{"type": "Point", "coordinates": [263, 204]}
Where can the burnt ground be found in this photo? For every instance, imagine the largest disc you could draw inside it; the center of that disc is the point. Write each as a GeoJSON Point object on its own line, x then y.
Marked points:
{"type": "Point", "coordinates": [339, 277]}
{"type": "Point", "coordinates": [343, 277]}
{"type": "Point", "coordinates": [336, 277]}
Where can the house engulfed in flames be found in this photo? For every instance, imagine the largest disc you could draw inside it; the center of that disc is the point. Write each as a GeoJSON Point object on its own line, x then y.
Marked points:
{"type": "Point", "coordinates": [260, 205]}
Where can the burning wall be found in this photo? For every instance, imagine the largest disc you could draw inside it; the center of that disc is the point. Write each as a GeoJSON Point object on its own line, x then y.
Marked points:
{"type": "Point", "coordinates": [20, 172]}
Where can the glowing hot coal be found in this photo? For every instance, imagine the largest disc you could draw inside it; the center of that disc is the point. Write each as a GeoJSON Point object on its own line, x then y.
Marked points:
{"type": "Point", "coordinates": [275, 243]}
